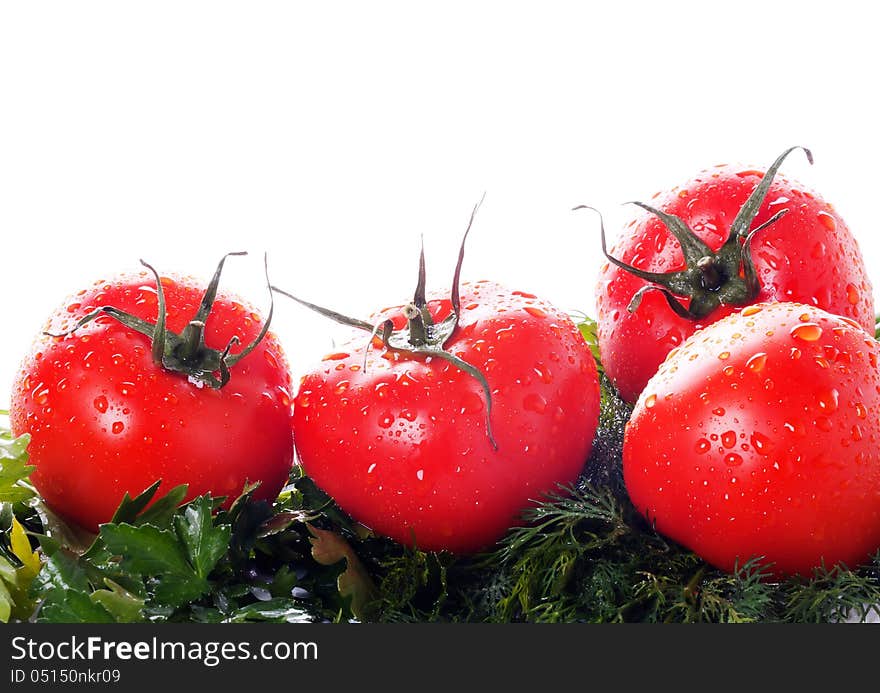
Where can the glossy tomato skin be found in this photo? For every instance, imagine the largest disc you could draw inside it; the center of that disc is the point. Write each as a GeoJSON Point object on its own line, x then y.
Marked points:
{"type": "Point", "coordinates": [402, 444]}
{"type": "Point", "coordinates": [104, 420]}
{"type": "Point", "coordinates": [759, 438]}
{"type": "Point", "coordinates": [808, 256]}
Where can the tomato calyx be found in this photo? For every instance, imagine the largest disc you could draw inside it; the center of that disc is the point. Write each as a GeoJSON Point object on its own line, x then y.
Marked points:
{"type": "Point", "coordinates": [710, 279]}
{"type": "Point", "coordinates": [421, 335]}
{"type": "Point", "coordinates": [184, 353]}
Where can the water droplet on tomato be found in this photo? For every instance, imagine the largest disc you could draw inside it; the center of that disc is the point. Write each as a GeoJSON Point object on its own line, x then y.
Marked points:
{"type": "Point", "coordinates": [41, 394]}
{"type": "Point", "coordinates": [543, 373]}
{"type": "Point", "coordinates": [733, 459]}
{"type": "Point", "coordinates": [650, 401]}
{"type": "Point", "coordinates": [117, 427]}
{"type": "Point", "coordinates": [728, 439]}
{"type": "Point", "coordinates": [336, 356]}
{"type": "Point", "coordinates": [100, 403]}
{"type": "Point", "coordinates": [420, 475]}
{"type": "Point", "coordinates": [857, 433]}
{"type": "Point", "coordinates": [702, 446]}
{"type": "Point", "coordinates": [718, 411]}
{"type": "Point", "coordinates": [270, 359]}
{"type": "Point", "coordinates": [828, 401]}
{"type": "Point", "coordinates": [505, 332]}
{"type": "Point", "coordinates": [386, 419]}
{"type": "Point", "coordinates": [818, 251]}
{"type": "Point", "coordinates": [724, 355]}
{"type": "Point", "coordinates": [760, 442]}
{"type": "Point", "coordinates": [852, 294]}
{"type": "Point", "coordinates": [861, 412]}
{"type": "Point", "coordinates": [471, 403]}
{"type": "Point", "coordinates": [823, 423]}
{"type": "Point", "coordinates": [341, 387]}
{"type": "Point", "coordinates": [807, 332]}
{"type": "Point", "coordinates": [535, 312]}
{"type": "Point", "coordinates": [408, 415]}
{"type": "Point", "coordinates": [535, 403]}
{"type": "Point", "coordinates": [73, 307]}
{"type": "Point", "coordinates": [827, 221]}
{"type": "Point", "coordinates": [757, 362]}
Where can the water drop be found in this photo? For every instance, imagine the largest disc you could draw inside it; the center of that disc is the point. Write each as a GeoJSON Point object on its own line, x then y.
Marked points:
{"type": "Point", "coordinates": [41, 396]}
{"type": "Point", "coordinates": [852, 294]}
{"type": "Point", "coordinates": [823, 423]}
{"type": "Point", "coordinates": [807, 332]}
{"type": "Point", "coordinates": [100, 403]}
{"type": "Point", "coordinates": [341, 387]}
{"type": "Point", "coordinates": [828, 401]}
{"type": "Point", "coordinates": [827, 221]}
{"type": "Point", "coordinates": [420, 475]}
{"type": "Point", "coordinates": [718, 411]}
{"type": "Point", "coordinates": [760, 442]}
{"type": "Point", "coordinates": [724, 355]}
{"type": "Point", "coordinates": [117, 427]}
{"type": "Point", "coordinates": [650, 401]}
{"type": "Point", "coordinates": [535, 403]}
{"type": "Point", "coordinates": [728, 439]}
{"type": "Point", "coordinates": [756, 362]}
{"type": "Point", "coordinates": [702, 446]}
{"type": "Point", "coordinates": [535, 312]}
{"type": "Point", "coordinates": [733, 459]}
{"type": "Point", "coordinates": [386, 420]}
{"type": "Point", "coordinates": [336, 356]}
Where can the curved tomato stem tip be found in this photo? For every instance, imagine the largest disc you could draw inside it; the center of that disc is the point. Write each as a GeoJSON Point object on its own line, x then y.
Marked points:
{"type": "Point", "coordinates": [710, 278]}
{"type": "Point", "coordinates": [421, 335]}
{"type": "Point", "coordinates": [184, 353]}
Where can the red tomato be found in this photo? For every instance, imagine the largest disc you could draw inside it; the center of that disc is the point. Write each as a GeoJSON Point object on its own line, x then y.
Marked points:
{"type": "Point", "coordinates": [807, 256]}
{"type": "Point", "coordinates": [104, 419]}
{"type": "Point", "coordinates": [759, 438]}
{"type": "Point", "coordinates": [401, 441]}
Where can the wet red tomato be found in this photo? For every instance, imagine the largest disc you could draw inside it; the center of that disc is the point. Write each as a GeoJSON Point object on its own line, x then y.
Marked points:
{"type": "Point", "coordinates": [106, 420]}
{"type": "Point", "coordinates": [808, 255]}
{"type": "Point", "coordinates": [759, 438]}
{"type": "Point", "coordinates": [401, 441]}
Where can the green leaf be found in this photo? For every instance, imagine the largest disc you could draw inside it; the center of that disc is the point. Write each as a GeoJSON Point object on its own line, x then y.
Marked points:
{"type": "Point", "coordinates": [15, 470]}
{"type": "Point", "coordinates": [64, 588]}
{"type": "Point", "coordinates": [124, 606]}
{"type": "Point", "coordinates": [274, 611]}
{"type": "Point", "coordinates": [135, 511]}
{"type": "Point", "coordinates": [205, 544]}
{"type": "Point", "coordinates": [72, 607]}
{"type": "Point", "coordinates": [589, 330]}
{"type": "Point", "coordinates": [157, 553]}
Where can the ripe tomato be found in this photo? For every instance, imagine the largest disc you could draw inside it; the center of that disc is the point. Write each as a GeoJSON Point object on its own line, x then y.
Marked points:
{"type": "Point", "coordinates": [105, 419]}
{"type": "Point", "coordinates": [807, 256]}
{"type": "Point", "coordinates": [759, 438]}
{"type": "Point", "coordinates": [440, 441]}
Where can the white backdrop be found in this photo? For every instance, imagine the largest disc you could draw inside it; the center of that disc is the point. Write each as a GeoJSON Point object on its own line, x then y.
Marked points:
{"type": "Point", "coordinates": [333, 134]}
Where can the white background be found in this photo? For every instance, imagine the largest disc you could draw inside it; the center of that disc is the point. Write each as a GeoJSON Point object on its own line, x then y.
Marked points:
{"type": "Point", "coordinates": [333, 134]}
